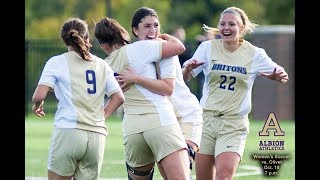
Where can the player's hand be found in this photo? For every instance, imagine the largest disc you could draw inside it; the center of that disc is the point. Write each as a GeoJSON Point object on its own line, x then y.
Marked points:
{"type": "Point", "coordinates": [127, 78]}
{"type": "Point", "coordinates": [38, 110]}
{"type": "Point", "coordinates": [280, 75]}
{"type": "Point", "coordinates": [192, 64]}
{"type": "Point", "coordinates": [165, 37]}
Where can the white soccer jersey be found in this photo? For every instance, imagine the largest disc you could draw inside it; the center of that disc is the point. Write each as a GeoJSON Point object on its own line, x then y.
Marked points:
{"type": "Point", "coordinates": [183, 100]}
{"type": "Point", "coordinates": [141, 56]}
{"type": "Point", "coordinates": [80, 87]}
{"type": "Point", "coordinates": [229, 76]}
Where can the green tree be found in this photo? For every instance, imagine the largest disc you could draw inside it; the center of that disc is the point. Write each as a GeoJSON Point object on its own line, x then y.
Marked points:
{"type": "Point", "coordinates": [194, 13]}
{"type": "Point", "coordinates": [43, 18]}
{"type": "Point", "coordinates": [284, 9]}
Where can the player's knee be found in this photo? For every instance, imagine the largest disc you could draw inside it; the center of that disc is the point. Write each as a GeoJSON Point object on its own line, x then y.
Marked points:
{"type": "Point", "coordinates": [148, 175]}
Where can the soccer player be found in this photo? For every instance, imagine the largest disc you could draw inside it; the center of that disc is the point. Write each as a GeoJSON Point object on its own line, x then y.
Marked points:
{"type": "Point", "coordinates": [186, 104]}
{"type": "Point", "coordinates": [80, 80]}
{"type": "Point", "coordinates": [150, 129]}
{"type": "Point", "coordinates": [230, 66]}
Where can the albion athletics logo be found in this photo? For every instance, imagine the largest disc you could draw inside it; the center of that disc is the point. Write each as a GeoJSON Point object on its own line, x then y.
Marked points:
{"type": "Point", "coordinates": [270, 161]}
{"type": "Point", "coordinates": [271, 124]}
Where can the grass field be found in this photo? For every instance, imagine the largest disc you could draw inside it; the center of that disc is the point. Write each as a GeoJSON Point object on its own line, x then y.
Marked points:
{"type": "Point", "coordinates": [38, 132]}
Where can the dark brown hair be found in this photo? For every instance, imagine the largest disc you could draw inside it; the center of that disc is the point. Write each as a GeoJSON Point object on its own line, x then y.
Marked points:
{"type": "Point", "coordinates": [109, 31]}
{"type": "Point", "coordinates": [139, 14]}
{"type": "Point", "coordinates": [74, 33]}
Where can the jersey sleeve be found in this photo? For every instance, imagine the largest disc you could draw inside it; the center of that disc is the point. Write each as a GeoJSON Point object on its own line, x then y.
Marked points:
{"type": "Point", "coordinates": [263, 63]}
{"type": "Point", "coordinates": [201, 54]}
{"type": "Point", "coordinates": [112, 85]}
{"type": "Point", "coordinates": [145, 51]}
{"type": "Point", "coordinates": [168, 68]}
{"type": "Point", "coordinates": [50, 71]}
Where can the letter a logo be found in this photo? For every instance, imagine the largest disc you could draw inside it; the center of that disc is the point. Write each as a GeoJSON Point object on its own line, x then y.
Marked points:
{"type": "Point", "coordinates": [271, 123]}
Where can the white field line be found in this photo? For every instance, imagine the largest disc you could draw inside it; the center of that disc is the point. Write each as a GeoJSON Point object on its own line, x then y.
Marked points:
{"type": "Point", "coordinates": [252, 170]}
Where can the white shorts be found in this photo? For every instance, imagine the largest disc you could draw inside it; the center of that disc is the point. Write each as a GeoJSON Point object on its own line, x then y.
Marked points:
{"type": "Point", "coordinates": [76, 152]}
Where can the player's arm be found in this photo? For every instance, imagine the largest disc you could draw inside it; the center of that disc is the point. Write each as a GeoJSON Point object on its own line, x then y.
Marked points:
{"type": "Point", "coordinates": [158, 86]}
{"type": "Point", "coordinates": [187, 68]}
{"type": "Point", "coordinates": [38, 99]}
{"type": "Point", "coordinates": [277, 75]}
{"type": "Point", "coordinates": [114, 102]}
{"type": "Point", "coordinates": [268, 68]}
{"type": "Point", "coordinates": [172, 46]}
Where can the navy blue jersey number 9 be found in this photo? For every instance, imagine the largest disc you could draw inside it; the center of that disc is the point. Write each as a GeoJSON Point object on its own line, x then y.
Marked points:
{"type": "Point", "coordinates": [91, 79]}
{"type": "Point", "coordinates": [223, 83]}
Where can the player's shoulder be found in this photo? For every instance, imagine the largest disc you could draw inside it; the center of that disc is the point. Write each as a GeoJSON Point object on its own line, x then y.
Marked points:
{"type": "Point", "coordinates": [56, 59]}
{"type": "Point", "coordinates": [144, 44]}
{"type": "Point", "coordinates": [207, 43]}
{"type": "Point", "coordinates": [248, 44]}
{"type": "Point", "coordinates": [211, 41]}
{"type": "Point", "coordinates": [97, 58]}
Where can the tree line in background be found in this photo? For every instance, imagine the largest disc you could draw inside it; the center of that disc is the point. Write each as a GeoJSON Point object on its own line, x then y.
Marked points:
{"type": "Point", "coordinates": [43, 19]}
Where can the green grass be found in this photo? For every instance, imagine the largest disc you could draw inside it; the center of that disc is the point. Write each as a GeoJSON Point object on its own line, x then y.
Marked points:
{"type": "Point", "coordinates": [38, 132]}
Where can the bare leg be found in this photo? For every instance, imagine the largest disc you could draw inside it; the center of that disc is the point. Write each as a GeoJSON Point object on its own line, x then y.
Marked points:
{"type": "Point", "coordinates": [226, 165]}
{"type": "Point", "coordinates": [54, 176]}
{"type": "Point", "coordinates": [161, 170]}
{"type": "Point", "coordinates": [205, 166]}
{"type": "Point", "coordinates": [176, 165]}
